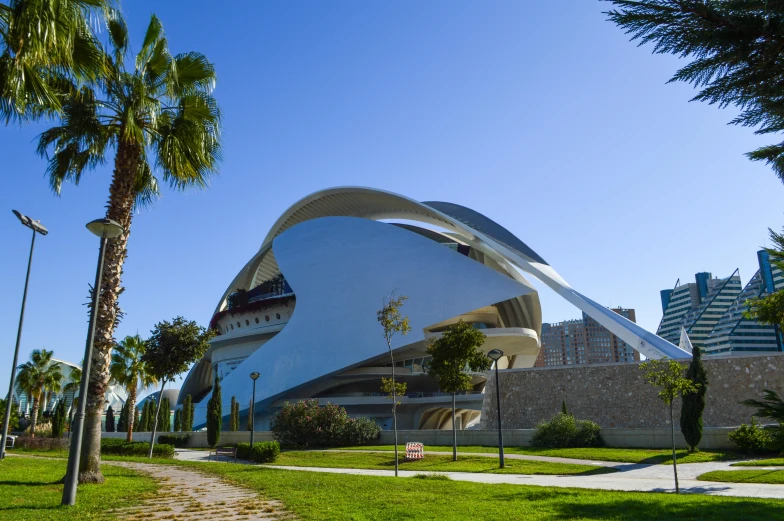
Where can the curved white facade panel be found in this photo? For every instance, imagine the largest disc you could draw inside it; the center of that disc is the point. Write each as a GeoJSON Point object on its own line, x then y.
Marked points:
{"type": "Point", "coordinates": [334, 262]}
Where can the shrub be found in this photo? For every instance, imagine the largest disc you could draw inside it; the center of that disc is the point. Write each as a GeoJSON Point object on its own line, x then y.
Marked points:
{"type": "Point", "coordinates": [263, 452]}
{"type": "Point", "coordinates": [26, 442]}
{"type": "Point", "coordinates": [214, 415]}
{"type": "Point", "coordinates": [752, 438]}
{"type": "Point", "coordinates": [120, 447]}
{"type": "Point", "coordinates": [43, 430]}
{"type": "Point", "coordinates": [564, 430]}
{"type": "Point", "coordinates": [179, 442]}
{"type": "Point", "coordinates": [306, 424]}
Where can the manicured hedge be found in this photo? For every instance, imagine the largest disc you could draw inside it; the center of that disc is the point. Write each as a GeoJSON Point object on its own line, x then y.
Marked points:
{"type": "Point", "coordinates": [263, 452]}
{"type": "Point", "coordinates": [179, 441]}
{"type": "Point", "coordinates": [119, 447]}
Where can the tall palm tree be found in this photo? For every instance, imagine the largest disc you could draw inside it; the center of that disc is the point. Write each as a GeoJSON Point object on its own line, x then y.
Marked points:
{"type": "Point", "coordinates": [40, 42]}
{"type": "Point", "coordinates": [158, 115]}
{"type": "Point", "coordinates": [38, 377]}
{"type": "Point", "coordinates": [128, 370]}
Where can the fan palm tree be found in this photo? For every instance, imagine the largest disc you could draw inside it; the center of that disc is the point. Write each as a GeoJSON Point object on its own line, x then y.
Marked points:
{"type": "Point", "coordinates": [158, 115]}
{"type": "Point", "coordinates": [36, 378]}
{"type": "Point", "coordinates": [128, 370]}
{"type": "Point", "coordinates": [42, 41]}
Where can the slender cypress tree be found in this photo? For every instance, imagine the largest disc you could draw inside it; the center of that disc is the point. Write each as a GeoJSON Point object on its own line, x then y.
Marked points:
{"type": "Point", "coordinates": [234, 421]}
{"type": "Point", "coordinates": [177, 422]}
{"type": "Point", "coordinates": [693, 404]}
{"type": "Point", "coordinates": [122, 424]}
{"type": "Point", "coordinates": [110, 419]}
{"type": "Point", "coordinates": [250, 418]}
{"type": "Point", "coordinates": [214, 415]}
{"type": "Point", "coordinates": [187, 414]}
{"type": "Point", "coordinates": [59, 420]}
{"type": "Point", "coordinates": [164, 416]}
{"type": "Point", "coordinates": [563, 408]}
{"type": "Point", "coordinates": [191, 408]}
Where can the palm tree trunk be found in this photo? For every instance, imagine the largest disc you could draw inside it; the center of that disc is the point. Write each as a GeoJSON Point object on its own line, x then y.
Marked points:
{"type": "Point", "coordinates": [131, 412]}
{"type": "Point", "coordinates": [34, 416]}
{"type": "Point", "coordinates": [120, 209]}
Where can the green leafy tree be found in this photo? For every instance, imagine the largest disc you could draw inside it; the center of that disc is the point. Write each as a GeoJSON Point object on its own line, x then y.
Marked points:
{"type": "Point", "coordinates": [155, 114]}
{"type": "Point", "coordinates": [733, 47]}
{"type": "Point", "coordinates": [667, 375]}
{"type": "Point", "coordinates": [110, 425]}
{"type": "Point", "coordinates": [171, 349]}
{"type": "Point", "coordinates": [234, 418]}
{"type": "Point", "coordinates": [38, 377]}
{"type": "Point", "coordinates": [59, 418]}
{"type": "Point", "coordinates": [177, 420]}
{"type": "Point", "coordinates": [43, 43]}
{"type": "Point", "coordinates": [130, 371]}
{"type": "Point", "coordinates": [214, 415]}
{"type": "Point", "coordinates": [393, 322]}
{"type": "Point", "coordinates": [693, 404]}
{"type": "Point", "coordinates": [771, 407]}
{"type": "Point", "coordinates": [455, 350]}
{"type": "Point", "coordinates": [13, 423]}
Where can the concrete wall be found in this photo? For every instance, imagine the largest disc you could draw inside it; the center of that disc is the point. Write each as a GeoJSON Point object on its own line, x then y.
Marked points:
{"type": "Point", "coordinates": [616, 396]}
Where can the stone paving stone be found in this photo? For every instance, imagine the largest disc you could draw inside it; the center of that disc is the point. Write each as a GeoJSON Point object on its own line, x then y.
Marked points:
{"type": "Point", "coordinates": [188, 495]}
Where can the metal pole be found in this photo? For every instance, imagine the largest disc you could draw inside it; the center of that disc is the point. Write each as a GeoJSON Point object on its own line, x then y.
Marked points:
{"type": "Point", "coordinates": [8, 402]}
{"type": "Point", "coordinates": [498, 402]}
{"type": "Point", "coordinates": [252, 416]}
{"type": "Point", "coordinates": [74, 455]}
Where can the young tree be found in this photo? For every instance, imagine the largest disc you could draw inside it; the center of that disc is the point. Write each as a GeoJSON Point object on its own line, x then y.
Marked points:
{"type": "Point", "coordinates": [234, 417]}
{"type": "Point", "coordinates": [39, 41]}
{"type": "Point", "coordinates": [177, 421]}
{"type": "Point", "coordinates": [214, 415]}
{"type": "Point", "coordinates": [14, 420]}
{"type": "Point", "coordinates": [393, 322]}
{"type": "Point", "coordinates": [457, 348]}
{"type": "Point", "coordinates": [693, 404]}
{"type": "Point", "coordinates": [735, 48]}
{"type": "Point", "coordinates": [667, 375]}
{"type": "Point", "coordinates": [38, 377]}
{"type": "Point", "coordinates": [171, 349]}
{"type": "Point", "coordinates": [129, 370]}
{"type": "Point", "coordinates": [155, 114]}
{"type": "Point", "coordinates": [59, 419]}
{"type": "Point", "coordinates": [110, 419]}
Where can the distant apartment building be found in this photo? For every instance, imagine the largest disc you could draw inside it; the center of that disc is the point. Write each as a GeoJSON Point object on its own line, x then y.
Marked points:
{"type": "Point", "coordinates": [712, 312]}
{"type": "Point", "coordinates": [584, 341]}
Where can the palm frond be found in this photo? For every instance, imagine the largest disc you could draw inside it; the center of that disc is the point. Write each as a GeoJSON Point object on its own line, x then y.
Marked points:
{"type": "Point", "coordinates": [771, 406]}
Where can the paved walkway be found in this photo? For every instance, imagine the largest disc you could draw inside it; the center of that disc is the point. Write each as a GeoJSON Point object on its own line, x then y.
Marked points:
{"type": "Point", "coordinates": [188, 495]}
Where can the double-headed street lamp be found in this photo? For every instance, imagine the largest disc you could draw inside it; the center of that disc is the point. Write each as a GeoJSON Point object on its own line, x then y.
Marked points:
{"type": "Point", "coordinates": [253, 376]}
{"type": "Point", "coordinates": [105, 229]}
{"type": "Point", "coordinates": [37, 227]}
{"type": "Point", "coordinates": [495, 355]}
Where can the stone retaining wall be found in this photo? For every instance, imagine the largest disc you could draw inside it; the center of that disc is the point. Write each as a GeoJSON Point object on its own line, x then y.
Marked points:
{"type": "Point", "coordinates": [617, 397]}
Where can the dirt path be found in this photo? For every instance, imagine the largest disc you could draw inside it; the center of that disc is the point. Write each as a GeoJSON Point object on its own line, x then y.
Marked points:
{"type": "Point", "coordinates": [188, 495]}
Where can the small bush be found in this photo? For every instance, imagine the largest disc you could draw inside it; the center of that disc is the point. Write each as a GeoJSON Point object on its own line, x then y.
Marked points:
{"type": "Point", "coordinates": [565, 431]}
{"type": "Point", "coordinates": [263, 452]}
{"type": "Point", "coordinates": [43, 430]}
{"type": "Point", "coordinates": [120, 447]}
{"type": "Point", "coordinates": [435, 477]}
{"type": "Point", "coordinates": [26, 442]}
{"type": "Point", "coordinates": [179, 441]}
{"type": "Point", "coordinates": [752, 438]}
{"type": "Point", "coordinates": [306, 424]}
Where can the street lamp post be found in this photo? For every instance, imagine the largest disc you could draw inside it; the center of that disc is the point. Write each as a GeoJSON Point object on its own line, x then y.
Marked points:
{"type": "Point", "coordinates": [253, 376]}
{"type": "Point", "coordinates": [37, 227]}
{"type": "Point", "coordinates": [105, 229]}
{"type": "Point", "coordinates": [495, 355]}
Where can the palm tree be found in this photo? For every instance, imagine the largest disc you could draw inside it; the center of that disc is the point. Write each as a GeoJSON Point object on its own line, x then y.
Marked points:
{"type": "Point", "coordinates": [158, 115]}
{"type": "Point", "coordinates": [37, 377]}
{"type": "Point", "coordinates": [128, 370]}
{"type": "Point", "coordinates": [42, 41]}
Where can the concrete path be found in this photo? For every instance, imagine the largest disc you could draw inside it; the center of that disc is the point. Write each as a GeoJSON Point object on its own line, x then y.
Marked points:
{"type": "Point", "coordinates": [188, 495]}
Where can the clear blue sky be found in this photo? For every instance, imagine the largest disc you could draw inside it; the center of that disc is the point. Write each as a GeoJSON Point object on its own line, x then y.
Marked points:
{"type": "Point", "coordinates": [547, 120]}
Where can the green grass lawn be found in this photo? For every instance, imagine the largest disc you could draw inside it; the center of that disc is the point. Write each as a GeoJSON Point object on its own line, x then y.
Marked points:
{"type": "Point", "coordinates": [29, 491]}
{"type": "Point", "coordinates": [746, 476]}
{"type": "Point", "coordinates": [319, 496]}
{"type": "Point", "coordinates": [431, 463]}
{"type": "Point", "coordinates": [652, 456]}
{"type": "Point", "coordinates": [770, 462]}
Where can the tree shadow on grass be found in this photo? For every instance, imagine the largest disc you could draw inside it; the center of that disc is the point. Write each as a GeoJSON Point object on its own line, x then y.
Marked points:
{"type": "Point", "coordinates": [29, 483]}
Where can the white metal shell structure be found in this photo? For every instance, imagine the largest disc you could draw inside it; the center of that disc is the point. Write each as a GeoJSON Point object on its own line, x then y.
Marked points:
{"type": "Point", "coordinates": [341, 261]}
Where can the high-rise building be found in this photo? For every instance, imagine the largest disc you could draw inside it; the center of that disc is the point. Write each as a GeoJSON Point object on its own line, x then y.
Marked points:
{"type": "Point", "coordinates": [584, 341]}
{"type": "Point", "coordinates": [712, 311]}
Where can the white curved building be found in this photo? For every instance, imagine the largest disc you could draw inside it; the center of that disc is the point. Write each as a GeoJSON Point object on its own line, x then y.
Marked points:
{"type": "Point", "coordinates": [302, 312]}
